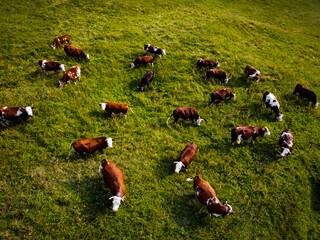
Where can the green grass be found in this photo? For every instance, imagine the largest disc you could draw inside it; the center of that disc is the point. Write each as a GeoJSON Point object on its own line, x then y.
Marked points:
{"type": "Point", "coordinates": [43, 194]}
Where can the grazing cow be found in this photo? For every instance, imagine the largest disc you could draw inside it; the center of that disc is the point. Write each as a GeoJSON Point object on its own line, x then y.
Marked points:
{"type": "Point", "coordinates": [207, 63]}
{"type": "Point", "coordinates": [71, 74]}
{"type": "Point", "coordinates": [244, 133]}
{"type": "Point", "coordinates": [91, 145]}
{"type": "Point", "coordinates": [148, 48]}
{"type": "Point", "coordinates": [51, 66]}
{"type": "Point", "coordinates": [186, 113]}
{"type": "Point", "coordinates": [207, 196]}
{"type": "Point", "coordinates": [14, 114]}
{"type": "Point", "coordinates": [222, 94]}
{"type": "Point", "coordinates": [307, 93]}
{"type": "Point", "coordinates": [75, 52]}
{"type": "Point", "coordinates": [286, 143]}
{"type": "Point", "coordinates": [142, 61]}
{"type": "Point", "coordinates": [271, 102]}
{"type": "Point", "coordinates": [217, 73]}
{"type": "Point", "coordinates": [186, 157]}
{"type": "Point", "coordinates": [115, 108]}
{"type": "Point", "coordinates": [114, 179]}
{"type": "Point", "coordinates": [252, 73]}
{"type": "Point", "coordinates": [60, 40]}
{"type": "Point", "coordinates": [146, 80]}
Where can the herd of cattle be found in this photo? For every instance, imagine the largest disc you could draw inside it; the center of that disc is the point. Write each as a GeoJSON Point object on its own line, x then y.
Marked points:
{"type": "Point", "coordinates": [112, 175]}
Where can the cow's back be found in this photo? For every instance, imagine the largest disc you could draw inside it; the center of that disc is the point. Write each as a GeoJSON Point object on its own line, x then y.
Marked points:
{"type": "Point", "coordinates": [203, 190]}
{"type": "Point", "coordinates": [188, 153]}
{"type": "Point", "coordinates": [114, 178]}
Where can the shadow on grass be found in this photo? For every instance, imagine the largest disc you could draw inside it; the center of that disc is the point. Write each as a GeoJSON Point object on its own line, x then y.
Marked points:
{"type": "Point", "coordinates": [315, 194]}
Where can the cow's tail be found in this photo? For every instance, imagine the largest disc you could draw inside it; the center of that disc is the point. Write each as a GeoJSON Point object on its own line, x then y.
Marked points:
{"type": "Point", "coordinates": [131, 109]}
{"type": "Point", "coordinates": [169, 118]}
{"type": "Point", "coordinates": [70, 149]}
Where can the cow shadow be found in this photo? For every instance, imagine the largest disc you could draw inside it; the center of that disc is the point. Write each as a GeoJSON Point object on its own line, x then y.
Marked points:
{"type": "Point", "coordinates": [99, 114]}
{"type": "Point", "coordinates": [165, 167]}
{"type": "Point", "coordinates": [315, 194]}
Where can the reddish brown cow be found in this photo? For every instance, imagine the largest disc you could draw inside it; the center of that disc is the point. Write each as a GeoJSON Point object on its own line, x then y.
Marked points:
{"type": "Point", "coordinates": [207, 196]}
{"type": "Point", "coordinates": [244, 133]}
{"type": "Point", "coordinates": [207, 63]}
{"type": "Point", "coordinates": [307, 93]}
{"type": "Point", "coordinates": [75, 52]}
{"type": "Point", "coordinates": [186, 157]}
{"type": "Point", "coordinates": [71, 74]}
{"type": "Point", "coordinates": [51, 66]}
{"type": "Point", "coordinates": [222, 94]}
{"type": "Point", "coordinates": [252, 73]}
{"type": "Point", "coordinates": [14, 114]}
{"type": "Point", "coordinates": [142, 61]}
{"type": "Point", "coordinates": [217, 73]}
{"type": "Point", "coordinates": [115, 108]}
{"type": "Point", "coordinates": [91, 145]}
{"type": "Point", "coordinates": [114, 179]}
{"type": "Point", "coordinates": [286, 143]}
{"type": "Point", "coordinates": [186, 113]}
{"type": "Point", "coordinates": [60, 40]}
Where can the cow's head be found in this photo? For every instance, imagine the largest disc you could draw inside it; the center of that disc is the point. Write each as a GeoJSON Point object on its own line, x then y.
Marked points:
{"type": "Point", "coordinates": [228, 207]}
{"type": "Point", "coordinates": [103, 106]}
{"type": "Point", "coordinates": [285, 152]}
{"type": "Point", "coordinates": [179, 165]}
{"type": "Point", "coordinates": [60, 83]}
{"type": "Point", "coordinates": [109, 142]}
{"type": "Point", "coordinates": [226, 80]}
{"type": "Point", "coordinates": [29, 111]}
{"type": "Point", "coordinates": [62, 67]}
{"type": "Point", "coordinates": [217, 64]}
{"type": "Point", "coordinates": [53, 46]}
{"type": "Point", "coordinates": [279, 118]}
{"type": "Point", "coordinates": [132, 65]}
{"type": "Point", "coordinates": [116, 202]}
{"type": "Point", "coordinates": [163, 52]}
{"type": "Point", "coordinates": [315, 105]}
{"type": "Point", "coordinates": [266, 131]}
{"type": "Point", "coordinates": [199, 120]}
{"type": "Point", "coordinates": [87, 57]}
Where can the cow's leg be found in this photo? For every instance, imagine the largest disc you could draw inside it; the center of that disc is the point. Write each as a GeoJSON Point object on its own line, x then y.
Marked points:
{"type": "Point", "coordinates": [72, 78]}
{"type": "Point", "coordinates": [4, 123]}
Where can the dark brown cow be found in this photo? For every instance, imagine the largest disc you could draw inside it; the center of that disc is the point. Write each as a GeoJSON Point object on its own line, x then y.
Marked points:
{"type": "Point", "coordinates": [307, 93]}
{"type": "Point", "coordinates": [217, 73]}
{"type": "Point", "coordinates": [91, 145]}
{"type": "Point", "coordinates": [153, 49]}
{"type": "Point", "coordinates": [60, 40]}
{"type": "Point", "coordinates": [146, 80]}
{"type": "Point", "coordinates": [186, 157]}
{"type": "Point", "coordinates": [207, 196]}
{"type": "Point", "coordinates": [14, 114]}
{"type": "Point", "coordinates": [207, 63]}
{"type": "Point", "coordinates": [244, 133]}
{"type": "Point", "coordinates": [252, 73]}
{"type": "Point", "coordinates": [51, 66]}
{"type": "Point", "coordinates": [75, 52]}
{"type": "Point", "coordinates": [114, 179]}
{"type": "Point", "coordinates": [71, 74]}
{"type": "Point", "coordinates": [142, 61]}
{"type": "Point", "coordinates": [222, 94]}
{"type": "Point", "coordinates": [186, 113]}
{"type": "Point", "coordinates": [115, 108]}
{"type": "Point", "coordinates": [271, 102]}
{"type": "Point", "coordinates": [286, 143]}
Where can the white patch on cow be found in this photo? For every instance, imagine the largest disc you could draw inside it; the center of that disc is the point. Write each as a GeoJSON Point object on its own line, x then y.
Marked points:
{"type": "Point", "coordinates": [5, 107]}
{"type": "Point", "coordinates": [285, 152]}
{"type": "Point", "coordinates": [267, 132]}
{"type": "Point", "coordinates": [216, 215]}
{"type": "Point", "coordinates": [239, 139]}
{"type": "Point", "coordinates": [218, 65]}
{"type": "Point", "coordinates": [62, 67]}
{"type": "Point", "coordinates": [53, 46]}
{"type": "Point", "coordinates": [163, 52]}
{"type": "Point", "coordinates": [179, 165]}
{"type": "Point", "coordinates": [315, 105]}
{"type": "Point", "coordinates": [87, 57]}
{"type": "Point", "coordinates": [279, 118]}
{"type": "Point", "coordinates": [78, 72]}
{"type": "Point", "coordinates": [256, 74]}
{"type": "Point", "coordinates": [199, 121]}
{"type": "Point", "coordinates": [116, 203]}
{"type": "Point", "coordinates": [60, 83]}
{"type": "Point", "coordinates": [226, 80]}
{"type": "Point", "coordinates": [29, 111]}
{"type": "Point", "coordinates": [285, 134]}
{"type": "Point", "coordinates": [229, 206]}
{"type": "Point", "coordinates": [43, 65]}
{"type": "Point", "coordinates": [132, 65]}
{"type": "Point", "coordinates": [19, 113]}
{"type": "Point", "coordinates": [109, 142]}
{"type": "Point", "coordinates": [103, 106]}
{"type": "Point", "coordinates": [271, 99]}
{"type": "Point", "coordinates": [100, 168]}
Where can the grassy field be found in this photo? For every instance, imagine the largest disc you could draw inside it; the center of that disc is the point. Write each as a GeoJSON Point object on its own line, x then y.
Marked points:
{"type": "Point", "coordinates": [45, 195]}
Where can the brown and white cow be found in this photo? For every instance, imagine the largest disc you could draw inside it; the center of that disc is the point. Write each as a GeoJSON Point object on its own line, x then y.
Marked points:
{"type": "Point", "coordinates": [186, 113]}
{"type": "Point", "coordinates": [146, 80]}
{"type": "Point", "coordinates": [271, 102]}
{"type": "Point", "coordinates": [115, 108]}
{"type": "Point", "coordinates": [114, 179]}
{"type": "Point", "coordinates": [207, 196]}
{"type": "Point", "coordinates": [207, 63]}
{"type": "Point", "coordinates": [60, 40]}
{"type": "Point", "coordinates": [75, 52]}
{"type": "Point", "coordinates": [217, 73]}
{"type": "Point", "coordinates": [145, 60]}
{"type": "Point", "coordinates": [252, 73]}
{"type": "Point", "coordinates": [14, 114]}
{"type": "Point", "coordinates": [148, 48]}
{"type": "Point", "coordinates": [186, 157]}
{"type": "Point", "coordinates": [51, 66]}
{"type": "Point", "coordinates": [286, 143]}
{"type": "Point", "coordinates": [91, 145]}
{"type": "Point", "coordinates": [244, 133]}
{"type": "Point", "coordinates": [307, 93]}
{"type": "Point", "coordinates": [222, 94]}
{"type": "Point", "coordinates": [71, 74]}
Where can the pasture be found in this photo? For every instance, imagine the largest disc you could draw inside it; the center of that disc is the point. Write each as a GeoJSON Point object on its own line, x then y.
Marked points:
{"type": "Point", "coordinates": [45, 195]}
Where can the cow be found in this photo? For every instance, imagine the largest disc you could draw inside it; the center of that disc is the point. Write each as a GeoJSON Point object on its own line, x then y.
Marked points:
{"type": "Point", "coordinates": [271, 102]}
{"type": "Point", "coordinates": [91, 145]}
{"type": "Point", "coordinates": [307, 93]}
{"type": "Point", "coordinates": [75, 52]}
{"type": "Point", "coordinates": [115, 108]}
{"type": "Point", "coordinates": [207, 63]}
{"type": "Point", "coordinates": [148, 48]}
{"type": "Point", "coordinates": [142, 61]}
{"type": "Point", "coordinates": [217, 73]}
{"type": "Point", "coordinates": [286, 143]}
{"type": "Point", "coordinates": [186, 113]}
{"type": "Point", "coordinates": [114, 179]}
{"type": "Point", "coordinates": [71, 74]}
{"type": "Point", "coordinates": [222, 94]}
{"type": "Point", "coordinates": [60, 40]}
{"type": "Point", "coordinates": [207, 196]}
{"type": "Point", "coordinates": [252, 73]}
{"type": "Point", "coordinates": [14, 114]}
{"type": "Point", "coordinates": [186, 157]}
{"type": "Point", "coordinates": [244, 133]}
{"type": "Point", "coordinates": [146, 80]}
{"type": "Point", "coordinates": [51, 66]}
